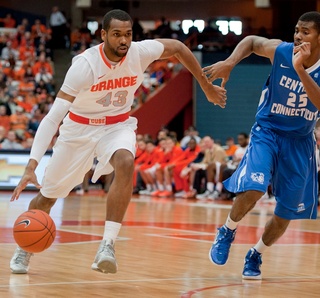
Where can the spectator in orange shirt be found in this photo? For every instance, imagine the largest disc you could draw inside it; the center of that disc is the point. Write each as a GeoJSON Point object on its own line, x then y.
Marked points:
{"type": "Point", "coordinates": [42, 63]}
{"type": "Point", "coordinates": [140, 158]}
{"type": "Point", "coordinates": [31, 99]}
{"type": "Point", "coordinates": [21, 30]}
{"type": "Point", "coordinates": [26, 86]}
{"type": "Point", "coordinates": [26, 51]}
{"type": "Point", "coordinates": [8, 21]}
{"type": "Point", "coordinates": [38, 30]}
{"type": "Point", "coordinates": [171, 152]}
{"type": "Point", "coordinates": [19, 122]}
{"type": "Point", "coordinates": [21, 102]}
{"type": "Point", "coordinates": [231, 147]}
{"type": "Point", "coordinates": [173, 169]}
{"type": "Point", "coordinates": [148, 168]}
{"type": "Point", "coordinates": [27, 40]}
{"type": "Point", "coordinates": [4, 118]}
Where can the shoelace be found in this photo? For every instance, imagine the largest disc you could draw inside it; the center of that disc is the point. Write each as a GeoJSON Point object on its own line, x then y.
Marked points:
{"type": "Point", "coordinates": [109, 248]}
{"type": "Point", "coordinates": [256, 260]}
{"type": "Point", "coordinates": [23, 257]}
{"type": "Point", "coordinates": [225, 234]}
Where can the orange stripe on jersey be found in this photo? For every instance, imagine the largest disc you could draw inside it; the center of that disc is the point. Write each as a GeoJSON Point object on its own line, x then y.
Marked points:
{"type": "Point", "coordinates": [103, 56]}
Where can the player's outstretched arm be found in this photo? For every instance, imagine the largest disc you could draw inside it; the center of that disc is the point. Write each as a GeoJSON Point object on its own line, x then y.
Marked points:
{"type": "Point", "coordinates": [251, 44]}
{"type": "Point", "coordinates": [172, 47]}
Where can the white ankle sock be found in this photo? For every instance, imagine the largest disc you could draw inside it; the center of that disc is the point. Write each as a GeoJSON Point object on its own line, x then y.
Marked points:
{"type": "Point", "coordinates": [219, 186]}
{"type": "Point", "coordinates": [260, 247]}
{"type": "Point", "coordinates": [210, 186]}
{"type": "Point", "coordinates": [111, 230]}
{"type": "Point", "coordinates": [232, 225]}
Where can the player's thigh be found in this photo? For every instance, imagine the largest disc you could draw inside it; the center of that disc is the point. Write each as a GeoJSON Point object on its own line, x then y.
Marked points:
{"type": "Point", "coordinates": [67, 168]}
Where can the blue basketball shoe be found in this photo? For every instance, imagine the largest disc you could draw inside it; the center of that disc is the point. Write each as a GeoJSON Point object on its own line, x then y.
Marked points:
{"type": "Point", "coordinates": [252, 265]}
{"type": "Point", "coordinates": [219, 251]}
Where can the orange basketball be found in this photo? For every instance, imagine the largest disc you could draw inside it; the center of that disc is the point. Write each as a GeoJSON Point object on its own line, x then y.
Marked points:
{"type": "Point", "coordinates": [34, 231]}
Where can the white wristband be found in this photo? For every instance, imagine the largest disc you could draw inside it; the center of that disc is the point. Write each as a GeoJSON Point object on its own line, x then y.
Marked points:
{"type": "Point", "coordinates": [48, 127]}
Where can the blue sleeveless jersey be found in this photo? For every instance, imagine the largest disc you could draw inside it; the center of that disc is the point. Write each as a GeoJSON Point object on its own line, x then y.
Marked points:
{"type": "Point", "coordinates": [284, 105]}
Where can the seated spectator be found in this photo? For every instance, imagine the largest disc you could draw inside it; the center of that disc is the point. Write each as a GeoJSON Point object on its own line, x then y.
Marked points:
{"type": "Point", "coordinates": [26, 51]}
{"type": "Point", "coordinates": [19, 122]}
{"type": "Point", "coordinates": [4, 118]}
{"type": "Point", "coordinates": [163, 186]}
{"type": "Point", "coordinates": [75, 37]}
{"type": "Point", "coordinates": [173, 169]}
{"type": "Point", "coordinates": [42, 63]}
{"type": "Point", "coordinates": [214, 156]}
{"type": "Point", "coordinates": [21, 102]}
{"type": "Point", "coordinates": [140, 158]}
{"type": "Point", "coordinates": [47, 78]}
{"type": "Point", "coordinates": [228, 168]}
{"type": "Point", "coordinates": [31, 99]}
{"type": "Point", "coordinates": [22, 28]}
{"type": "Point", "coordinates": [162, 135]}
{"type": "Point", "coordinates": [79, 47]}
{"type": "Point", "coordinates": [194, 173]}
{"type": "Point", "coordinates": [190, 133]}
{"type": "Point", "coordinates": [148, 168]}
{"type": "Point", "coordinates": [29, 74]}
{"type": "Point", "coordinates": [85, 33]}
{"type": "Point", "coordinates": [11, 142]}
{"type": "Point", "coordinates": [38, 30]}
{"type": "Point", "coordinates": [43, 50]}
{"type": "Point", "coordinates": [9, 67]}
{"type": "Point", "coordinates": [8, 21]}
{"type": "Point", "coordinates": [26, 86]}
{"type": "Point", "coordinates": [27, 143]}
{"type": "Point", "coordinates": [27, 40]}
{"type": "Point", "coordinates": [231, 147]}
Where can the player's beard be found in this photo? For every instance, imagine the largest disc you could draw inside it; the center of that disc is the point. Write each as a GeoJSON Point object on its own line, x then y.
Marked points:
{"type": "Point", "coordinates": [116, 52]}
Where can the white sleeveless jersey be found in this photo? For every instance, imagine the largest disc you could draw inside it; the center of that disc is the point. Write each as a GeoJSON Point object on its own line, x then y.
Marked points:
{"type": "Point", "coordinates": [105, 90]}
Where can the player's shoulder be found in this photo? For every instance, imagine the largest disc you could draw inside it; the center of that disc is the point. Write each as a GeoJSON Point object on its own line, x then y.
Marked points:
{"type": "Point", "coordinates": [146, 44]}
{"type": "Point", "coordinates": [284, 48]}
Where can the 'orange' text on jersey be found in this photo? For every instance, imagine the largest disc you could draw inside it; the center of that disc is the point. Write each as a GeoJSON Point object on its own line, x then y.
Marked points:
{"type": "Point", "coordinates": [114, 83]}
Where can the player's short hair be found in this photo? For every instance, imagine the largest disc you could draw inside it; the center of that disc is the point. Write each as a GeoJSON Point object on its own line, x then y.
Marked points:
{"type": "Point", "coordinates": [312, 16]}
{"type": "Point", "coordinates": [116, 14]}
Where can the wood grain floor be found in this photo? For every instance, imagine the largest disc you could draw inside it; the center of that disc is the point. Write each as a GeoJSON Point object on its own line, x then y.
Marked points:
{"type": "Point", "coordinates": [162, 251]}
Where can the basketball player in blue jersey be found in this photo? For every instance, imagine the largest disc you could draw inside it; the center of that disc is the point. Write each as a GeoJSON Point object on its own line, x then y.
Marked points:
{"type": "Point", "coordinates": [94, 104]}
{"type": "Point", "coordinates": [282, 146]}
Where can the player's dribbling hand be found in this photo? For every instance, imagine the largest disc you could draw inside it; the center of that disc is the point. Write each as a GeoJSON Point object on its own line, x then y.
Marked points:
{"type": "Point", "coordinates": [29, 177]}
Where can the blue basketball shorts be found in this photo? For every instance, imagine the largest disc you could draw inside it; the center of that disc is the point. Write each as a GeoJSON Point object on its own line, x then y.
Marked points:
{"type": "Point", "coordinates": [288, 164]}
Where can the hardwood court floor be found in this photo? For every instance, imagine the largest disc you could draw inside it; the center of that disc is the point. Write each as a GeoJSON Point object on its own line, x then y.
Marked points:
{"type": "Point", "coordinates": [162, 251]}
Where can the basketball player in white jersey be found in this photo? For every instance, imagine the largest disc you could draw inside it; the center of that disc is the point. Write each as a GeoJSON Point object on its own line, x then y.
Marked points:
{"type": "Point", "coordinates": [94, 103]}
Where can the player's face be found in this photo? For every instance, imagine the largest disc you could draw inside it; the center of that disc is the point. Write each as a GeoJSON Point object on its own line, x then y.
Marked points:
{"type": "Point", "coordinates": [306, 32]}
{"type": "Point", "coordinates": [117, 39]}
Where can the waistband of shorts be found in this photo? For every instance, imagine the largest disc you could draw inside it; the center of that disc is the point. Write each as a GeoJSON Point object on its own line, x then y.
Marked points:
{"type": "Point", "coordinates": [99, 121]}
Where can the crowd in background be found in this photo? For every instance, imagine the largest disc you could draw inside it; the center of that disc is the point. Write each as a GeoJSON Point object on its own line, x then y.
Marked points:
{"type": "Point", "coordinates": [27, 87]}
{"type": "Point", "coordinates": [191, 167]}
